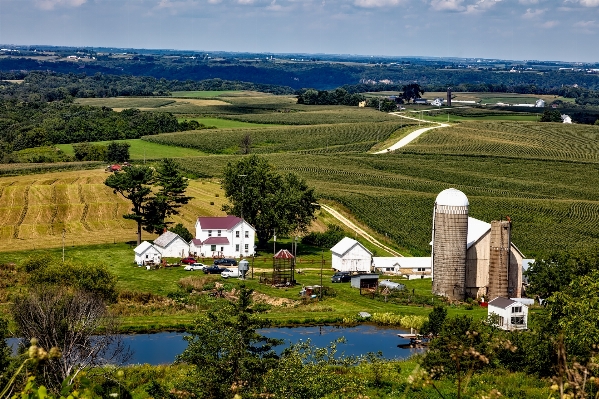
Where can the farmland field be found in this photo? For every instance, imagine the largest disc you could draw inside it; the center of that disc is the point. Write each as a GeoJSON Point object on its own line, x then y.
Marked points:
{"type": "Point", "coordinates": [205, 94]}
{"type": "Point", "coordinates": [141, 149]}
{"type": "Point", "coordinates": [36, 209]}
{"type": "Point", "coordinates": [224, 123]}
{"type": "Point", "coordinates": [351, 137]}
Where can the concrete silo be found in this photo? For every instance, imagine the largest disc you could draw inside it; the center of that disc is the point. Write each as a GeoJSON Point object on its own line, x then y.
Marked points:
{"type": "Point", "coordinates": [499, 259]}
{"type": "Point", "coordinates": [450, 240]}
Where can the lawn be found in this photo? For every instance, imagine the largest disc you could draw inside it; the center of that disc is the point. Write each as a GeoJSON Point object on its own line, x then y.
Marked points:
{"type": "Point", "coordinates": [141, 149]}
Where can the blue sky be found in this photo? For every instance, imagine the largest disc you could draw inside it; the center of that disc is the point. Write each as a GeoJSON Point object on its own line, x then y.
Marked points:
{"type": "Point", "coordinates": [509, 29]}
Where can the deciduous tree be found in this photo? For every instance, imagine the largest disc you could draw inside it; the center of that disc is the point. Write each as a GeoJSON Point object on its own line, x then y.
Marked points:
{"type": "Point", "coordinates": [270, 202]}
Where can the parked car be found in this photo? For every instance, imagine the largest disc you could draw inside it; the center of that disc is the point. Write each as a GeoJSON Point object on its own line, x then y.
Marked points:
{"type": "Point", "coordinates": [225, 262]}
{"type": "Point", "coordinates": [214, 269]}
{"type": "Point", "coordinates": [230, 273]}
{"type": "Point", "coordinates": [341, 277]}
{"type": "Point", "coordinates": [194, 267]}
{"type": "Point", "coordinates": [190, 260]}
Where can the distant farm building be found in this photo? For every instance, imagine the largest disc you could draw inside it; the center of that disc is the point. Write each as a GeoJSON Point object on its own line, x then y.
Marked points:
{"type": "Point", "coordinates": [510, 314]}
{"type": "Point", "coordinates": [362, 104]}
{"type": "Point", "coordinates": [171, 245]}
{"type": "Point", "coordinates": [410, 267]}
{"type": "Point", "coordinates": [147, 253]}
{"type": "Point", "coordinates": [437, 102]}
{"type": "Point", "coordinates": [351, 256]}
{"type": "Point", "coordinates": [472, 258]}
{"type": "Point", "coordinates": [421, 101]}
{"type": "Point", "coordinates": [540, 103]}
{"type": "Point", "coordinates": [566, 119]}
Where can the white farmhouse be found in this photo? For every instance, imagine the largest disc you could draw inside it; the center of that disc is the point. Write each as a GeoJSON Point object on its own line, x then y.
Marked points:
{"type": "Point", "coordinates": [411, 267]}
{"type": "Point", "coordinates": [351, 256]}
{"type": "Point", "coordinates": [227, 236]}
{"type": "Point", "coordinates": [171, 245]}
{"type": "Point", "coordinates": [146, 253]}
{"type": "Point", "coordinates": [511, 315]}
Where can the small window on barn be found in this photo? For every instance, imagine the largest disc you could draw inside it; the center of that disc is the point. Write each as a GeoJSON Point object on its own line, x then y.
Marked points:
{"type": "Point", "coordinates": [236, 247]}
{"type": "Point", "coordinates": [517, 309]}
{"type": "Point", "coordinates": [146, 256]}
{"type": "Point", "coordinates": [209, 233]}
{"type": "Point", "coordinates": [218, 233]}
{"type": "Point", "coordinates": [237, 234]}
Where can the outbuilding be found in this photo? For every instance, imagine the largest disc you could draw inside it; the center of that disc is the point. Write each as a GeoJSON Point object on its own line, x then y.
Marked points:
{"type": "Point", "coordinates": [410, 267]}
{"type": "Point", "coordinates": [351, 256]}
{"type": "Point", "coordinates": [146, 253]}
{"type": "Point", "coordinates": [171, 245]}
{"type": "Point", "coordinates": [365, 281]}
{"type": "Point", "coordinates": [511, 314]}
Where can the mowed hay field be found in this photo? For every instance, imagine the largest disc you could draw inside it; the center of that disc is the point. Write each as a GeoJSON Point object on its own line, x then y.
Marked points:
{"type": "Point", "coordinates": [36, 209]}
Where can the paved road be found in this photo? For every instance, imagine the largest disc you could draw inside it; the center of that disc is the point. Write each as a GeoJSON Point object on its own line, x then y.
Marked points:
{"type": "Point", "coordinates": [412, 136]}
{"type": "Point", "coordinates": [358, 230]}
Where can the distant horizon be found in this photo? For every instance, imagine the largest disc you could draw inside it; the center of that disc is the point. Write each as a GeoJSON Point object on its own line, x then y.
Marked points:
{"type": "Point", "coordinates": [149, 49]}
{"type": "Point", "coordinates": [543, 30]}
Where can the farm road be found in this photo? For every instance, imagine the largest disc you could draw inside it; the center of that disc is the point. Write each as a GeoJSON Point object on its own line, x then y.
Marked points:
{"type": "Point", "coordinates": [358, 230]}
{"type": "Point", "coordinates": [412, 136]}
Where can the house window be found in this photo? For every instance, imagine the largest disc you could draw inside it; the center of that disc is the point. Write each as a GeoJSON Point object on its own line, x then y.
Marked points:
{"type": "Point", "coordinates": [247, 234]}
{"type": "Point", "coordinates": [517, 309]}
{"type": "Point", "coordinates": [518, 320]}
{"type": "Point", "coordinates": [501, 320]}
{"type": "Point", "coordinates": [222, 249]}
{"type": "Point", "coordinates": [146, 256]}
{"type": "Point", "coordinates": [213, 248]}
{"type": "Point", "coordinates": [236, 247]}
{"type": "Point", "coordinates": [218, 233]}
{"type": "Point", "coordinates": [209, 233]}
{"type": "Point", "coordinates": [237, 234]}
{"type": "Point", "coordinates": [421, 269]}
{"type": "Point", "coordinates": [246, 247]}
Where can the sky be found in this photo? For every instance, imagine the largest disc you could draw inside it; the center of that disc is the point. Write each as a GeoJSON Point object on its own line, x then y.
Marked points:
{"type": "Point", "coordinates": [565, 30]}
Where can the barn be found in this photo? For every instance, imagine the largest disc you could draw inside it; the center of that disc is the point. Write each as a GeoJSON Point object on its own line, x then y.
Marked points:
{"type": "Point", "coordinates": [351, 256]}
{"type": "Point", "coordinates": [171, 245]}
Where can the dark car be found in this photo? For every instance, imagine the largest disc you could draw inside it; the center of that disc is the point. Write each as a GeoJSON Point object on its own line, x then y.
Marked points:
{"type": "Point", "coordinates": [214, 269]}
{"type": "Point", "coordinates": [189, 260]}
{"type": "Point", "coordinates": [341, 277]}
{"type": "Point", "coordinates": [225, 262]}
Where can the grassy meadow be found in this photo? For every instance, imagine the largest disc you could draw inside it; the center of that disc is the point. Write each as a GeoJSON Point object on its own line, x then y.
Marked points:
{"type": "Point", "coordinates": [141, 149]}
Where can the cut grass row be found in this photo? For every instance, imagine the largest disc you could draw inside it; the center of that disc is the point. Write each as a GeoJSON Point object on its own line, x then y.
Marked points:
{"type": "Point", "coordinates": [142, 149]}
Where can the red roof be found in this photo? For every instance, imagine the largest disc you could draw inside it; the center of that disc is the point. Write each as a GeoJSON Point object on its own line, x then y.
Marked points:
{"type": "Point", "coordinates": [216, 240]}
{"type": "Point", "coordinates": [283, 254]}
{"type": "Point", "coordinates": [219, 223]}
{"type": "Point", "coordinates": [196, 241]}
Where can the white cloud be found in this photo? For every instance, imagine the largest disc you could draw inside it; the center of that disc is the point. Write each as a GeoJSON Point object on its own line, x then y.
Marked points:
{"type": "Point", "coordinates": [447, 5]}
{"type": "Point", "coordinates": [585, 24]}
{"type": "Point", "coordinates": [530, 13]}
{"type": "Point", "coordinates": [376, 3]}
{"type": "Point", "coordinates": [528, 2]}
{"type": "Point", "coordinates": [51, 4]}
{"type": "Point", "coordinates": [549, 24]}
{"type": "Point", "coordinates": [589, 3]}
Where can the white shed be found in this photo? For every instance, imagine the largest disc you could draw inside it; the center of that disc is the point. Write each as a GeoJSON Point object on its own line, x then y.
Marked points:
{"type": "Point", "coordinates": [146, 252]}
{"type": "Point", "coordinates": [171, 245]}
{"type": "Point", "coordinates": [351, 256]}
{"type": "Point", "coordinates": [512, 315]}
{"type": "Point", "coordinates": [411, 267]}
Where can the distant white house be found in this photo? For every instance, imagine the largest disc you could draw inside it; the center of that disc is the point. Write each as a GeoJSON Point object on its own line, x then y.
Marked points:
{"type": "Point", "coordinates": [146, 253]}
{"type": "Point", "coordinates": [227, 236]}
{"type": "Point", "coordinates": [411, 267]}
{"type": "Point", "coordinates": [423, 101]}
{"type": "Point", "coordinates": [511, 315]}
{"type": "Point", "coordinates": [171, 245]}
{"type": "Point", "coordinates": [540, 103]}
{"type": "Point", "coordinates": [566, 119]}
{"type": "Point", "coordinates": [351, 256]}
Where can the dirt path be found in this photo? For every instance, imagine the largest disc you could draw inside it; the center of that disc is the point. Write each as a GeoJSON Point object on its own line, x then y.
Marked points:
{"type": "Point", "coordinates": [351, 225]}
{"type": "Point", "coordinates": [412, 136]}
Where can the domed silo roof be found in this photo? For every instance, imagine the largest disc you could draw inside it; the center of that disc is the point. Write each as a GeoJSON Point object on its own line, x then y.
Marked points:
{"type": "Point", "coordinates": [452, 197]}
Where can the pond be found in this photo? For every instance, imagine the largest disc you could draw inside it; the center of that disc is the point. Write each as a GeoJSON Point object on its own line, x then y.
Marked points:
{"type": "Point", "coordinates": [162, 348]}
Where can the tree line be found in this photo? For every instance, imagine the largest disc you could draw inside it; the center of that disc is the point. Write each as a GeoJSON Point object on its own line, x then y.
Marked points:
{"type": "Point", "coordinates": [52, 86]}
{"type": "Point", "coordinates": [33, 124]}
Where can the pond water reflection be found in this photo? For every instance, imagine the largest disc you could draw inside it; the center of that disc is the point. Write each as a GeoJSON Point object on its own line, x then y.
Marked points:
{"type": "Point", "coordinates": [162, 348]}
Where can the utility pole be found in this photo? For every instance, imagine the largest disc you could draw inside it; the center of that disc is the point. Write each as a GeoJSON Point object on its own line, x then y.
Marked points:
{"type": "Point", "coordinates": [63, 233]}
{"type": "Point", "coordinates": [241, 250]}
